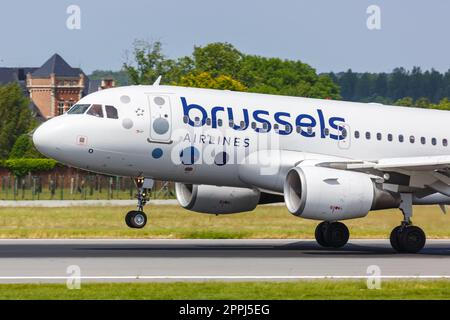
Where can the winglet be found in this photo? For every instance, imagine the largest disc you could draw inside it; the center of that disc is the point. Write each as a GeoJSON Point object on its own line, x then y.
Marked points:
{"type": "Point", "coordinates": [443, 208]}
{"type": "Point", "coordinates": [158, 81]}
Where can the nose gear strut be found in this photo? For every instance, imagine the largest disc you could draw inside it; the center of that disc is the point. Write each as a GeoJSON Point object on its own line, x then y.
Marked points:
{"type": "Point", "coordinates": [137, 219]}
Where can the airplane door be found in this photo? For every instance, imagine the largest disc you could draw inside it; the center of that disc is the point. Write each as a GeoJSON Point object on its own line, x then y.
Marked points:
{"type": "Point", "coordinates": [160, 118]}
{"type": "Point", "coordinates": [345, 141]}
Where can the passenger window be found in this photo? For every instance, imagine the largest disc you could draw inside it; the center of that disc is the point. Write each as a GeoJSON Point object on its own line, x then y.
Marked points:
{"type": "Point", "coordinates": [412, 139]}
{"type": "Point", "coordinates": [185, 119]}
{"type": "Point", "coordinates": [423, 140]}
{"type": "Point", "coordinates": [326, 131]}
{"type": "Point", "coordinates": [309, 130]}
{"type": "Point", "coordinates": [389, 137]}
{"type": "Point", "coordinates": [379, 136]}
{"type": "Point", "coordinates": [111, 112]}
{"type": "Point", "coordinates": [275, 127]}
{"type": "Point", "coordinates": [357, 134]}
{"type": "Point", "coordinates": [368, 135]}
{"type": "Point", "coordinates": [253, 125]}
{"type": "Point", "coordinates": [220, 122]}
{"type": "Point", "coordinates": [433, 141]}
{"type": "Point", "coordinates": [401, 138]}
{"type": "Point", "coordinates": [96, 111]}
{"type": "Point", "coordinates": [208, 121]}
{"type": "Point", "coordinates": [79, 109]}
{"type": "Point", "coordinates": [242, 125]}
{"type": "Point", "coordinates": [444, 142]}
{"type": "Point", "coordinates": [299, 129]}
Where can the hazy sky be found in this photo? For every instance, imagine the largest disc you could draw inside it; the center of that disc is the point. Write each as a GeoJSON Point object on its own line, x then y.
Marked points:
{"type": "Point", "coordinates": [329, 35]}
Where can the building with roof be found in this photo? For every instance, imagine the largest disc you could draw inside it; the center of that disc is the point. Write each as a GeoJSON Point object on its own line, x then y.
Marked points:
{"type": "Point", "coordinates": [54, 87]}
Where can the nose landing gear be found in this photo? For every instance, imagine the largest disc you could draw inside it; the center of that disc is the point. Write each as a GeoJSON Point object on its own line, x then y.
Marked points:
{"type": "Point", "coordinates": [137, 219]}
{"type": "Point", "coordinates": [407, 238]}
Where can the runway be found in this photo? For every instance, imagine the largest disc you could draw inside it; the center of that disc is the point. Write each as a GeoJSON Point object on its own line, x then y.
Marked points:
{"type": "Point", "coordinates": [194, 260]}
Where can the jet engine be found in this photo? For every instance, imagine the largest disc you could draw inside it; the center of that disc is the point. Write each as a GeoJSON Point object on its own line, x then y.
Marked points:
{"type": "Point", "coordinates": [221, 200]}
{"type": "Point", "coordinates": [326, 194]}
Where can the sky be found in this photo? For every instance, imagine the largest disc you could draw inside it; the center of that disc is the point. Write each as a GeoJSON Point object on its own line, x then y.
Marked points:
{"type": "Point", "coordinates": [329, 35]}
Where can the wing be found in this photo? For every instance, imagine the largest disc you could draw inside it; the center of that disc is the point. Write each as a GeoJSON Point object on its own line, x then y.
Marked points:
{"type": "Point", "coordinates": [422, 175]}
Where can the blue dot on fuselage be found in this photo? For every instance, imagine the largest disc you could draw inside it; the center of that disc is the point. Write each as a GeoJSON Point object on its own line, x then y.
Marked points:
{"type": "Point", "coordinates": [157, 153]}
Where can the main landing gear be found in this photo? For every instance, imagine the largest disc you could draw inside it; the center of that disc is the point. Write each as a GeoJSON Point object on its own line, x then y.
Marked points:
{"type": "Point", "coordinates": [332, 234]}
{"type": "Point", "coordinates": [137, 219]}
{"type": "Point", "coordinates": [407, 238]}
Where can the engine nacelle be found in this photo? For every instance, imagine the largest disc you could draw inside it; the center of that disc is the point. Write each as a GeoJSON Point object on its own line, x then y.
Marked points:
{"type": "Point", "coordinates": [326, 194]}
{"type": "Point", "coordinates": [216, 200]}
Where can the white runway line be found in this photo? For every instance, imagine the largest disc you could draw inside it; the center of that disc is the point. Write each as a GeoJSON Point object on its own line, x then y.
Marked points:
{"type": "Point", "coordinates": [412, 277]}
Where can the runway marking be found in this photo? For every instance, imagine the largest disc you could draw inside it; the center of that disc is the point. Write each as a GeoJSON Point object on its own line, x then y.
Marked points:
{"type": "Point", "coordinates": [422, 277]}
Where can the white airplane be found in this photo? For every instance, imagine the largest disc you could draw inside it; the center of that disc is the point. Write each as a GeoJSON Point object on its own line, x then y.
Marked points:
{"type": "Point", "coordinates": [230, 151]}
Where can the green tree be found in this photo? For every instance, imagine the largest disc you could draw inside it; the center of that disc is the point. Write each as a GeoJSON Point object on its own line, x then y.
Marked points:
{"type": "Point", "coordinates": [221, 66]}
{"type": "Point", "coordinates": [148, 63]}
{"type": "Point", "coordinates": [206, 80]}
{"type": "Point", "coordinates": [285, 77]}
{"type": "Point", "coordinates": [218, 59]}
{"type": "Point", "coordinates": [444, 104]}
{"type": "Point", "coordinates": [405, 102]}
{"type": "Point", "coordinates": [24, 148]}
{"type": "Point", "coordinates": [15, 117]}
{"type": "Point", "coordinates": [422, 103]}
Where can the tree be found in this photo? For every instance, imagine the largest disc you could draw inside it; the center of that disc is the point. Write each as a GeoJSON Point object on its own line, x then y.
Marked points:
{"type": "Point", "coordinates": [285, 77]}
{"type": "Point", "coordinates": [24, 148]}
{"type": "Point", "coordinates": [218, 59]}
{"type": "Point", "coordinates": [405, 102]}
{"type": "Point", "coordinates": [423, 103]}
{"type": "Point", "coordinates": [149, 63]}
{"type": "Point", "coordinates": [206, 80]}
{"type": "Point", "coordinates": [444, 104]}
{"type": "Point", "coordinates": [15, 117]}
{"type": "Point", "coordinates": [222, 66]}
{"type": "Point", "coordinates": [347, 82]}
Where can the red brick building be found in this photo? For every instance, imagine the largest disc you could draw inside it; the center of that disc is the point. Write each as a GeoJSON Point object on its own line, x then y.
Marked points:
{"type": "Point", "coordinates": [54, 87]}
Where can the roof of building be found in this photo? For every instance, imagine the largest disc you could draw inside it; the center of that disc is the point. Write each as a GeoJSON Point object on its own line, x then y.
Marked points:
{"type": "Point", "coordinates": [58, 66]}
{"type": "Point", "coordinates": [8, 75]}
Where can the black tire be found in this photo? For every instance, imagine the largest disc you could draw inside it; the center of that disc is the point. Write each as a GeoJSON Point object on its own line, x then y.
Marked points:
{"type": "Point", "coordinates": [394, 238]}
{"type": "Point", "coordinates": [128, 218]}
{"type": "Point", "coordinates": [136, 219]}
{"type": "Point", "coordinates": [336, 235]}
{"type": "Point", "coordinates": [412, 239]}
{"type": "Point", "coordinates": [320, 234]}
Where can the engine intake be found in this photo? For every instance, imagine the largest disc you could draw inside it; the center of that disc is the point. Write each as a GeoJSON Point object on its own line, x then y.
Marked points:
{"type": "Point", "coordinates": [326, 194]}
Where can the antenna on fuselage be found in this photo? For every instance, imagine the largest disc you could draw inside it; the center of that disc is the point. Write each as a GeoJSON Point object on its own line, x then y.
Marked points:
{"type": "Point", "coordinates": [158, 81]}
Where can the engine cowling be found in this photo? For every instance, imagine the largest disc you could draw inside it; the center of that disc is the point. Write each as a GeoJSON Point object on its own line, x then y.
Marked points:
{"type": "Point", "coordinates": [326, 194]}
{"type": "Point", "coordinates": [217, 200]}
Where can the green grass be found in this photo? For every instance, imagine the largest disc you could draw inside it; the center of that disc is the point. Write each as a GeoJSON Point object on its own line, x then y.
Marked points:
{"type": "Point", "coordinates": [174, 222]}
{"type": "Point", "coordinates": [299, 290]}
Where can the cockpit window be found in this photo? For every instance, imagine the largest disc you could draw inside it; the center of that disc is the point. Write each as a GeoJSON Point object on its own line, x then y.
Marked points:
{"type": "Point", "coordinates": [96, 111]}
{"type": "Point", "coordinates": [78, 109]}
{"type": "Point", "coordinates": [111, 112]}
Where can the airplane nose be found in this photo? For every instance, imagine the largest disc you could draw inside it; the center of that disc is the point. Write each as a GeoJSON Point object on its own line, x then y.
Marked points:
{"type": "Point", "coordinates": [44, 139]}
